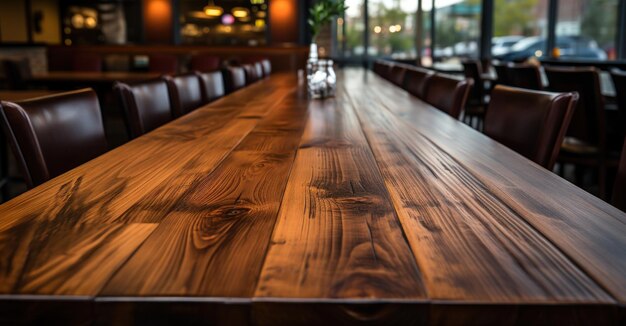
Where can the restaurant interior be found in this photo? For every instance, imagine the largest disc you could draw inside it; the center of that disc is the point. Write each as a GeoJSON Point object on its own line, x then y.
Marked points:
{"type": "Point", "coordinates": [284, 162]}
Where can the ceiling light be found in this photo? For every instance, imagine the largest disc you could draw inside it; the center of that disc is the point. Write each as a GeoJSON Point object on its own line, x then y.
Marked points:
{"type": "Point", "coordinates": [78, 21]}
{"type": "Point", "coordinates": [91, 22]}
{"type": "Point", "coordinates": [212, 10]}
{"type": "Point", "coordinates": [240, 12]}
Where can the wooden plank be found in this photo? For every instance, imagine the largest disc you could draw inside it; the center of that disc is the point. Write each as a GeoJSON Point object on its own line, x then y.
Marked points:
{"type": "Point", "coordinates": [468, 243]}
{"type": "Point", "coordinates": [62, 257]}
{"type": "Point", "coordinates": [586, 229]}
{"type": "Point", "coordinates": [89, 202]}
{"type": "Point", "coordinates": [337, 236]}
{"type": "Point", "coordinates": [213, 240]}
{"type": "Point", "coordinates": [112, 183]}
{"type": "Point", "coordinates": [20, 95]}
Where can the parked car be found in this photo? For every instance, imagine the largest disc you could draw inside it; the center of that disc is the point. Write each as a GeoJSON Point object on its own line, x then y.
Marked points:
{"type": "Point", "coordinates": [502, 45]}
{"type": "Point", "coordinates": [569, 46]}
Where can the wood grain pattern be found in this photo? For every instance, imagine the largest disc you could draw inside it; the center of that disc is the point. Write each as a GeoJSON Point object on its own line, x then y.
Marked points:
{"type": "Point", "coordinates": [217, 232]}
{"type": "Point", "coordinates": [94, 202]}
{"type": "Point", "coordinates": [586, 229]}
{"type": "Point", "coordinates": [267, 208]}
{"type": "Point", "coordinates": [20, 95]}
{"type": "Point", "coordinates": [470, 245]}
{"type": "Point", "coordinates": [337, 235]}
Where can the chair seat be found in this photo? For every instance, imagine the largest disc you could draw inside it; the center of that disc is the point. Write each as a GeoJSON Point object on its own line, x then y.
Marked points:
{"type": "Point", "coordinates": [575, 146]}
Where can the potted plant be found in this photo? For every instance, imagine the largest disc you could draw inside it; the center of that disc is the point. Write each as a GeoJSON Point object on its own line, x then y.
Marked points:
{"type": "Point", "coordinates": [320, 14]}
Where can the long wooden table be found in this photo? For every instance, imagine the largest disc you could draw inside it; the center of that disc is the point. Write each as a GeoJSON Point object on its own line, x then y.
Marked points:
{"type": "Point", "coordinates": [267, 208]}
{"type": "Point", "coordinates": [21, 95]}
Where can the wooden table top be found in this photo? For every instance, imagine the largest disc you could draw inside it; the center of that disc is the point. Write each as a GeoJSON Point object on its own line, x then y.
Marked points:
{"type": "Point", "coordinates": [92, 77]}
{"type": "Point", "coordinates": [268, 208]}
{"type": "Point", "coordinates": [20, 95]}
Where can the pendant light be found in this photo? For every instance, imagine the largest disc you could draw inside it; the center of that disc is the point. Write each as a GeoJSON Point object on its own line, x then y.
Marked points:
{"type": "Point", "coordinates": [212, 10]}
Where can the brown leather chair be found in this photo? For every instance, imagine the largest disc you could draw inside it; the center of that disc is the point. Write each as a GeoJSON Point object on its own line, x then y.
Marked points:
{"type": "Point", "coordinates": [146, 105]}
{"type": "Point", "coordinates": [378, 67]}
{"type": "Point", "coordinates": [501, 72]}
{"type": "Point", "coordinates": [397, 74]}
{"type": "Point", "coordinates": [383, 68]}
{"type": "Point", "coordinates": [448, 93]}
{"type": "Point", "coordinates": [205, 63]}
{"type": "Point", "coordinates": [524, 76]}
{"type": "Point", "coordinates": [259, 70]}
{"type": "Point", "coordinates": [585, 140]}
{"type": "Point", "coordinates": [251, 73]}
{"type": "Point", "coordinates": [185, 93]}
{"type": "Point", "coordinates": [212, 85]}
{"type": "Point", "coordinates": [619, 81]}
{"type": "Point", "coordinates": [163, 63]}
{"type": "Point", "coordinates": [267, 67]}
{"type": "Point", "coordinates": [416, 81]}
{"type": "Point", "coordinates": [234, 78]}
{"type": "Point", "coordinates": [51, 135]}
{"type": "Point", "coordinates": [476, 105]}
{"type": "Point", "coordinates": [619, 189]}
{"type": "Point", "coordinates": [532, 123]}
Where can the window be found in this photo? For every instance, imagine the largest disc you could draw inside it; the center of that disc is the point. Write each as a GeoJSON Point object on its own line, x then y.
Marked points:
{"type": "Point", "coordinates": [457, 30]}
{"type": "Point", "coordinates": [520, 29]}
{"type": "Point", "coordinates": [392, 28]}
{"type": "Point", "coordinates": [586, 29]}
{"type": "Point", "coordinates": [352, 44]}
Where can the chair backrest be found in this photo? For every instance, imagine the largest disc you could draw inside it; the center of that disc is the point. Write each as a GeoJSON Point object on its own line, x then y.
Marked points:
{"type": "Point", "coordinates": [588, 122]}
{"type": "Point", "coordinates": [212, 85]}
{"type": "Point", "coordinates": [267, 67]}
{"type": "Point", "coordinates": [378, 67]}
{"type": "Point", "coordinates": [185, 93]}
{"type": "Point", "coordinates": [397, 74]}
{"type": "Point", "coordinates": [416, 81]}
{"type": "Point", "coordinates": [448, 93]}
{"type": "Point", "coordinates": [234, 78]}
{"type": "Point", "coordinates": [383, 68]}
{"type": "Point", "coordinates": [501, 72]}
{"type": "Point", "coordinates": [524, 76]}
{"type": "Point", "coordinates": [532, 123]}
{"type": "Point", "coordinates": [619, 189]}
{"type": "Point", "coordinates": [87, 62]}
{"type": "Point", "coordinates": [259, 69]}
{"type": "Point", "coordinates": [51, 135]}
{"type": "Point", "coordinates": [163, 63]}
{"type": "Point", "coordinates": [17, 73]}
{"type": "Point", "coordinates": [251, 73]}
{"type": "Point", "coordinates": [619, 82]}
{"type": "Point", "coordinates": [472, 69]}
{"type": "Point", "coordinates": [205, 63]}
{"type": "Point", "coordinates": [146, 105]}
